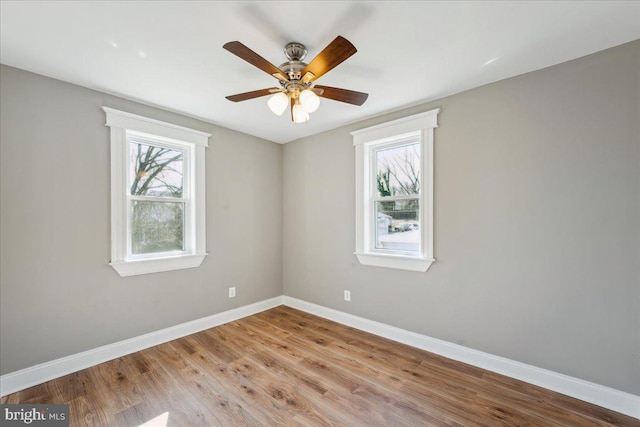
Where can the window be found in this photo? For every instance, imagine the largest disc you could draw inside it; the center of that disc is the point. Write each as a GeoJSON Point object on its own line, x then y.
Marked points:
{"type": "Point", "coordinates": [157, 195]}
{"type": "Point", "coordinates": [394, 193]}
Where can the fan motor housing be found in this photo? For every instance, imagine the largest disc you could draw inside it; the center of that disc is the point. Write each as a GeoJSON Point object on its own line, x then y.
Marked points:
{"type": "Point", "coordinates": [293, 69]}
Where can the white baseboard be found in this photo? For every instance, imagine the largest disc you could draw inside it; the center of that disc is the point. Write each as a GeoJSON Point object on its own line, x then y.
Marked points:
{"type": "Point", "coordinates": [600, 395]}
{"type": "Point", "coordinates": [606, 397]}
{"type": "Point", "coordinates": [34, 375]}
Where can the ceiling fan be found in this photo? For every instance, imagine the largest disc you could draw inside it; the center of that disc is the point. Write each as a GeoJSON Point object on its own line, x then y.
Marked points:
{"type": "Point", "coordinates": [296, 78]}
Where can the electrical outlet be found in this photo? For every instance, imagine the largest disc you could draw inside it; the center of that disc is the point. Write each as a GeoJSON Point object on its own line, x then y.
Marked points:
{"type": "Point", "coordinates": [347, 295]}
{"type": "Point", "coordinates": [232, 292]}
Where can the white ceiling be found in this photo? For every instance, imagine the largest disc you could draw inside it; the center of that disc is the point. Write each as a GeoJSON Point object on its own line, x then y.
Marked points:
{"type": "Point", "coordinates": [169, 54]}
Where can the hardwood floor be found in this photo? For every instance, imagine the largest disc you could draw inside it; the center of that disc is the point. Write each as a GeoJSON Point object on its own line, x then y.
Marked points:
{"type": "Point", "coordinates": [286, 367]}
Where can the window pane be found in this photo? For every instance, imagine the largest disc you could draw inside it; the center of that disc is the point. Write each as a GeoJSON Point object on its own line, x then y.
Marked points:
{"type": "Point", "coordinates": [155, 171]}
{"type": "Point", "coordinates": [156, 227]}
{"type": "Point", "coordinates": [398, 226]}
{"type": "Point", "coordinates": [398, 170]}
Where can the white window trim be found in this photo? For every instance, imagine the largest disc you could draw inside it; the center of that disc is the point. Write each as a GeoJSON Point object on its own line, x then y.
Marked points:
{"type": "Point", "coordinates": [364, 141]}
{"type": "Point", "coordinates": [120, 122]}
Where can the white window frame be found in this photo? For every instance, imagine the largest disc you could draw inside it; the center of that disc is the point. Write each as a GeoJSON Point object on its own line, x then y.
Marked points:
{"type": "Point", "coordinates": [126, 127]}
{"type": "Point", "coordinates": [367, 141]}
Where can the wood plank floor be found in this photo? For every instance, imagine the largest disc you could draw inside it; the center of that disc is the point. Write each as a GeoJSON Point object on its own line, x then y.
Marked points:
{"type": "Point", "coordinates": [286, 367]}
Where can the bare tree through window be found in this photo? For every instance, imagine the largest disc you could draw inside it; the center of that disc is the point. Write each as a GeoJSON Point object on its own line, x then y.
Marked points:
{"type": "Point", "coordinates": [157, 209]}
{"type": "Point", "coordinates": [397, 206]}
{"type": "Point", "coordinates": [399, 170]}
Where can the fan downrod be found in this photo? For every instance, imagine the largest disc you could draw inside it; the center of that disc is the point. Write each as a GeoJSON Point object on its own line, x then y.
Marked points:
{"type": "Point", "coordinates": [295, 53]}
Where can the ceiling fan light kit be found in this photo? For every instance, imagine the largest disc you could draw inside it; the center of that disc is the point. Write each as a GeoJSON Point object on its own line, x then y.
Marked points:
{"type": "Point", "coordinates": [297, 78]}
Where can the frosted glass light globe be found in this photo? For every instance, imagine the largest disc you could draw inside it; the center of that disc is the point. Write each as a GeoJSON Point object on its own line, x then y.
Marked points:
{"type": "Point", "coordinates": [309, 100]}
{"type": "Point", "coordinates": [300, 115]}
{"type": "Point", "coordinates": [278, 103]}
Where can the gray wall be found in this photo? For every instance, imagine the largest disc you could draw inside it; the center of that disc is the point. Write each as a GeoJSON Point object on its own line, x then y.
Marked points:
{"type": "Point", "coordinates": [58, 294]}
{"type": "Point", "coordinates": [537, 222]}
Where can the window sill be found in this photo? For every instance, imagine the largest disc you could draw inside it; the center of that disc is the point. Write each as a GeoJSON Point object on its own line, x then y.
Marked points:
{"type": "Point", "coordinates": [399, 262]}
{"type": "Point", "coordinates": [157, 265]}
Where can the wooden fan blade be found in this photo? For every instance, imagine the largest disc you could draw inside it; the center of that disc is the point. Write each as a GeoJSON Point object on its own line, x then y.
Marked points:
{"type": "Point", "coordinates": [342, 95]}
{"type": "Point", "coordinates": [243, 52]}
{"type": "Point", "coordinates": [334, 54]}
{"type": "Point", "coordinates": [253, 94]}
